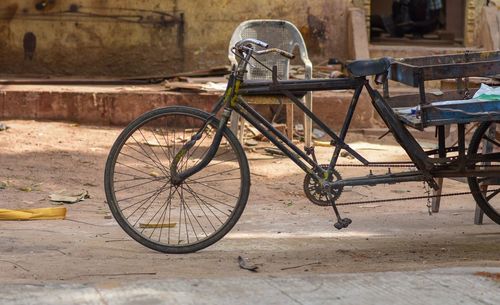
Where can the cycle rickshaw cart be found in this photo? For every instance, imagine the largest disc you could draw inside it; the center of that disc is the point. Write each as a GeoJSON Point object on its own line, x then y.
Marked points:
{"type": "Point", "coordinates": [177, 179]}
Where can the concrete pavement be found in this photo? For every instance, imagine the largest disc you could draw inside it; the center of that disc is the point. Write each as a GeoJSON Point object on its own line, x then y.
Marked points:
{"type": "Point", "coordinates": [439, 286]}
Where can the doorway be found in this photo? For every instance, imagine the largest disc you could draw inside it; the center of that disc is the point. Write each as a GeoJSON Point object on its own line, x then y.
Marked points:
{"type": "Point", "coordinates": [418, 22]}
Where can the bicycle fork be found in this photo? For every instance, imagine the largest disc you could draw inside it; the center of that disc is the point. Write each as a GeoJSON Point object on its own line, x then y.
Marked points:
{"type": "Point", "coordinates": [178, 177]}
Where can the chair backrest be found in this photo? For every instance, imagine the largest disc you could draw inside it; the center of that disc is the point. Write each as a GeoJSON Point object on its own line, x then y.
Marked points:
{"type": "Point", "coordinates": [278, 34]}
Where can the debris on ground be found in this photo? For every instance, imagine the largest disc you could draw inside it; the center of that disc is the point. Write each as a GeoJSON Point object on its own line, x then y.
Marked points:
{"type": "Point", "coordinates": [69, 196]}
{"type": "Point", "coordinates": [299, 130]}
{"type": "Point", "coordinates": [346, 154]}
{"type": "Point", "coordinates": [33, 214]}
{"type": "Point", "coordinates": [3, 185]}
{"type": "Point", "coordinates": [400, 191]}
{"type": "Point", "coordinates": [322, 143]}
{"type": "Point", "coordinates": [492, 276]}
{"type": "Point", "coordinates": [273, 151]}
{"type": "Point", "coordinates": [254, 132]}
{"type": "Point", "coordinates": [154, 174]}
{"type": "Point", "coordinates": [251, 142]}
{"type": "Point", "coordinates": [214, 71]}
{"type": "Point", "coordinates": [29, 188]}
{"type": "Point", "coordinates": [318, 133]}
{"type": "Point", "coordinates": [374, 206]}
{"type": "Point", "coordinates": [244, 264]}
{"type": "Point", "coordinates": [299, 266]}
{"type": "Point", "coordinates": [3, 127]}
{"type": "Point", "coordinates": [26, 189]}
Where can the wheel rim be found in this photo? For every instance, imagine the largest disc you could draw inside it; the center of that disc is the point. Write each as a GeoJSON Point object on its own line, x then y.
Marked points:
{"type": "Point", "coordinates": [485, 190]}
{"type": "Point", "coordinates": [156, 212]}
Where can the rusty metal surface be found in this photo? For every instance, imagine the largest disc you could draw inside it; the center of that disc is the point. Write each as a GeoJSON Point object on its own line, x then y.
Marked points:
{"type": "Point", "coordinates": [411, 71]}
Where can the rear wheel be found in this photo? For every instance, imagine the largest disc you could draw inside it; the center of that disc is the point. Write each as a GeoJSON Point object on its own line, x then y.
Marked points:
{"type": "Point", "coordinates": [486, 140]}
{"type": "Point", "coordinates": [175, 218]}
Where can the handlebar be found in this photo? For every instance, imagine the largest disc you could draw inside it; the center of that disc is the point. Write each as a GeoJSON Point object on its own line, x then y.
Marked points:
{"type": "Point", "coordinates": [248, 41]}
{"type": "Point", "coordinates": [246, 44]}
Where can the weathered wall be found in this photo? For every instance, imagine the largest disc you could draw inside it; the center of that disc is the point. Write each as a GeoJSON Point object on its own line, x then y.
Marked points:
{"type": "Point", "coordinates": [145, 37]}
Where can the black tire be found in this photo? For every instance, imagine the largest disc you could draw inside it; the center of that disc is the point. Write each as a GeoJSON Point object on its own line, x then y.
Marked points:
{"type": "Point", "coordinates": [489, 202]}
{"type": "Point", "coordinates": [211, 201]}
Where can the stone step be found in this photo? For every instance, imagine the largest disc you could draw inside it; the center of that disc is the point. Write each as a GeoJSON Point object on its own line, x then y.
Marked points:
{"type": "Point", "coordinates": [399, 51]}
{"type": "Point", "coordinates": [119, 105]}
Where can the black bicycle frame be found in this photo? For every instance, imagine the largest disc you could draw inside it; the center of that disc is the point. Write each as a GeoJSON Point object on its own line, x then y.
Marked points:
{"type": "Point", "coordinates": [293, 89]}
{"type": "Point", "coordinates": [233, 100]}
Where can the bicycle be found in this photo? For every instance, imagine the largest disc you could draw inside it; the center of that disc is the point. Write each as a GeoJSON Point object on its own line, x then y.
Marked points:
{"type": "Point", "coordinates": [177, 179]}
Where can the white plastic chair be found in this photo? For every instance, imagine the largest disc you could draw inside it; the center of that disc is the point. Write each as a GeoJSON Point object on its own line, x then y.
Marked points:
{"type": "Point", "coordinates": [278, 34]}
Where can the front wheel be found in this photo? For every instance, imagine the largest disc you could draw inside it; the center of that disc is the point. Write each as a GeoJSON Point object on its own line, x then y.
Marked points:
{"type": "Point", "coordinates": [486, 191]}
{"type": "Point", "coordinates": [167, 217]}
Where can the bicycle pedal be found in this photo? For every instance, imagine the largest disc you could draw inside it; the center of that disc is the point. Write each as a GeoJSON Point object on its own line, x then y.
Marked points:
{"type": "Point", "coordinates": [342, 223]}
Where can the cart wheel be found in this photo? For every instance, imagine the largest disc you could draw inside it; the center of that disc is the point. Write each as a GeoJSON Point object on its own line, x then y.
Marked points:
{"type": "Point", "coordinates": [486, 140]}
{"type": "Point", "coordinates": [175, 218]}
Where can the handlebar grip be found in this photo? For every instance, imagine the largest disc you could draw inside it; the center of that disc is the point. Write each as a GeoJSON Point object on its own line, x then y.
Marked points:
{"type": "Point", "coordinates": [252, 41]}
{"type": "Point", "coordinates": [285, 54]}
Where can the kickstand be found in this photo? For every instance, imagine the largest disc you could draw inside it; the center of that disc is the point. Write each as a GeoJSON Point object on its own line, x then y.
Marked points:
{"type": "Point", "coordinates": [341, 222]}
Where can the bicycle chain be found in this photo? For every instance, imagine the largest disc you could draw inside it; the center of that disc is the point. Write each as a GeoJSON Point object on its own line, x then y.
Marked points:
{"type": "Point", "coordinates": [400, 165]}
{"type": "Point", "coordinates": [411, 198]}
{"type": "Point", "coordinates": [395, 165]}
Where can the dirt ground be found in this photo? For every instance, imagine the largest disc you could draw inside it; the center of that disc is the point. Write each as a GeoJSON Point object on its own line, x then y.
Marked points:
{"type": "Point", "coordinates": [280, 230]}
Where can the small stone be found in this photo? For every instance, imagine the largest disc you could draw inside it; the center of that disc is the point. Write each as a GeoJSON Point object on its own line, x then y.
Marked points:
{"type": "Point", "coordinates": [251, 142]}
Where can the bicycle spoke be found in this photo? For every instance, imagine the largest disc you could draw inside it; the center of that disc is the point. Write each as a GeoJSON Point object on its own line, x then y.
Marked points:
{"type": "Point", "coordinates": [131, 157]}
{"type": "Point", "coordinates": [227, 171]}
{"type": "Point", "coordinates": [169, 199]}
{"type": "Point", "coordinates": [221, 162]}
{"type": "Point", "coordinates": [133, 168]}
{"type": "Point", "coordinates": [207, 203]}
{"type": "Point", "coordinates": [218, 180]}
{"type": "Point", "coordinates": [487, 138]}
{"type": "Point", "coordinates": [160, 164]}
{"type": "Point", "coordinates": [145, 154]}
{"type": "Point", "coordinates": [136, 179]}
{"type": "Point", "coordinates": [164, 152]}
{"type": "Point", "coordinates": [493, 194]}
{"type": "Point", "coordinates": [135, 196]}
{"type": "Point", "coordinates": [169, 155]}
{"type": "Point", "coordinates": [202, 210]}
{"type": "Point", "coordinates": [135, 185]}
{"type": "Point", "coordinates": [194, 150]}
{"type": "Point", "coordinates": [152, 201]}
{"type": "Point", "coordinates": [210, 187]}
{"type": "Point", "coordinates": [196, 219]}
{"type": "Point", "coordinates": [164, 214]}
{"type": "Point", "coordinates": [183, 203]}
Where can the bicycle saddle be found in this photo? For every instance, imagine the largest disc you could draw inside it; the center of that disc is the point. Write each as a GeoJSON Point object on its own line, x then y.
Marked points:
{"type": "Point", "coordinates": [366, 67]}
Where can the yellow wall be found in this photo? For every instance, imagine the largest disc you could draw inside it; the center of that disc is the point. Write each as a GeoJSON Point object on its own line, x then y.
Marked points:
{"type": "Point", "coordinates": [145, 37]}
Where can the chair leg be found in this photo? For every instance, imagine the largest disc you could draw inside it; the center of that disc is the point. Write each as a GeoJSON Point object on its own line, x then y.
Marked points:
{"type": "Point", "coordinates": [241, 130]}
{"type": "Point", "coordinates": [436, 201]}
{"type": "Point", "coordinates": [235, 118]}
{"type": "Point", "coordinates": [308, 121]}
{"type": "Point", "coordinates": [289, 121]}
{"type": "Point", "coordinates": [478, 214]}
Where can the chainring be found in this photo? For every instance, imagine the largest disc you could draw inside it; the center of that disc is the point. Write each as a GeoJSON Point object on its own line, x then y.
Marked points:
{"type": "Point", "coordinates": [315, 193]}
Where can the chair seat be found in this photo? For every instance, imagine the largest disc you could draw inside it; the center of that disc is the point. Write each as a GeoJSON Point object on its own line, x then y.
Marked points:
{"type": "Point", "coordinates": [367, 67]}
